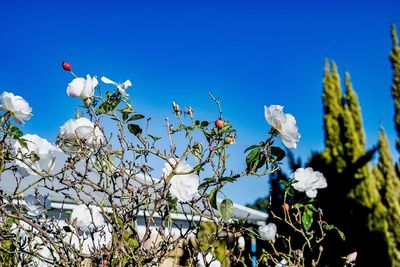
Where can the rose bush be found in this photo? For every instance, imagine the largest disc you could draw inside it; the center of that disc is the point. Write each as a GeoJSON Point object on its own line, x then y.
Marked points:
{"type": "Point", "coordinates": [116, 195]}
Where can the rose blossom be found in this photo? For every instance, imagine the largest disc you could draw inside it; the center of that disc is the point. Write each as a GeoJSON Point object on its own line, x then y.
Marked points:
{"type": "Point", "coordinates": [83, 130]}
{"type": "Point", "coordinates": [267, 232]}
{"type": "Point", "coordinates": [87, 218]}
{"type": "Point", "coordinates": [82, 88]}
{"type": "Point", "coordinates": [183, 186]}
{"type": "Point", "coordinates": [282, 263]}
{"type": "Point", "coordinates": [122, 87]}
{"type": "Point", "coordinates": [209, 260]}
{"type": "Point", "coordinates": [285, 124]}
{"type": "Point", "coordinates": [50, 158]}
{"type": "Point", "coordinates": [307, 180]}
{"type": "Point", "coordinates": [36, 205]}
{"type": "Point", "coordinates": [16, 105]}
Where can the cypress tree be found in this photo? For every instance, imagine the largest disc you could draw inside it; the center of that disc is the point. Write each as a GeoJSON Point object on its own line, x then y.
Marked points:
{"type": "Point", "coordinates": [353, 141]}
{"type": "Point", "coordinates": [355, 110]}
{"type": "Point", "coordinates": [358, 211]}
{"type": "Point", "coordinates": [332, 101]}
{"type": "Point", "coordinates": [363, 206]}
{"type": "Point", "coordinates": [389, 189]}
{"type": "Point", "coordinates": [395, 61]}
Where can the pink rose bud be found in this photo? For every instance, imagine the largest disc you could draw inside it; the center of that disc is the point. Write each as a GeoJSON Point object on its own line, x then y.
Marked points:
{"type": "Point", "coordinates": [351, 257]}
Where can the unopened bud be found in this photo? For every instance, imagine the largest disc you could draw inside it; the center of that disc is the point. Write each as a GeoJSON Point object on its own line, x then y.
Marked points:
{"type": "Point", "coordinates": [351, 257]}
{"type": "Point", "coordinates": [241, 243]}
{"type": "Point", "coordinates": [176, 107]}
{"type": "Point", "coordinates": [229, 140]}
{"type": "Point", "coordinates": [286, 207]}
{"type": "Point", "coordinates": [189, 111]}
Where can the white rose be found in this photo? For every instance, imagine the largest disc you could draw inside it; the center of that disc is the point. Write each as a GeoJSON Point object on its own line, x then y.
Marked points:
{"type": "Point", "coordinates": [36, 205]}
{"type": "Point", "coordinates": [307, 180]}
{"type": "Point", "coordinates": [209, 260]}
{"type": "Point", "coordinates": [183, 186]}
{"type": "Point", "coordinates": [285, 124]}
{"type": "Point", "coordinates": [42, 249]}
{"type": "Point", "coordinates": [50, 158]}
{"type": "Point", "coordinates": [282, 263]}
{"type": "Point", "coordinates": [91, 241]}
{"type": "Point", "coordinates": [17, 106]}
{"type": "Point", "coordinates": [81, 130]}
{"type": "Point", "coordinates": [241, 243]}
{"type": "Point", "coordinates": [122, 87]}
{"type": "Point", "coordinates": [87, 218]}
{"type": "Point", "coordinates": [82, 88]}
{"type": "Point", "coordinates": [267, 232]}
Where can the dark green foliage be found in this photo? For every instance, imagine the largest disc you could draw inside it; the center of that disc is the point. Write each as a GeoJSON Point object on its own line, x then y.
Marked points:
{"type": "Point", "coordinates": [351, 200]}
{"type": "Point", "coordinates": [388, 185]}
{"type": "Point", "coordinates": [332, 103]}
{"type": "Point", "coordinates": [395, 60]}
{"type": "Point", "coordinates": [362, 202]}
{"type": "Point", "coordinates": [355, 110]}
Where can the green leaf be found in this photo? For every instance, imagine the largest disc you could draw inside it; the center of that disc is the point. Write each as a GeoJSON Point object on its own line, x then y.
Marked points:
{"type": "Point", "coordinates": [67, 228]}
{"type": "Point", "coordinates": [252, 156]}
{"type": "Point", "coordinates": [329, 226]}
{"type": "Point", "coordinates": [278, 152]}
{"type": "Point", "coordinates": [307, 219]}
{"type": "Point", "coordinates": [197, 149]}
{"type": "Point", "coordinates": [155, 138]}
{"type": "Point", "coordinates": [135, 129]}
{"type": "Point", "coordinates": [226, 209]}
{"type": "Point", "coordinates": [127, 110]}
{"type": "Point", "coordinates": [311, 207]}
{"type": "Point", "coordinates": [332, 227]}
{"type": "Point", "coordinates": [297, 206]}
{"type": "Point", "coordinates": [22, 142]}
{"type": "Point", "coordinates": [206, 182]}
{"type": "Point", "coordinates": [251, 231]}
{"type": "Point", "coordinates": [213, 198]}
{"type": "Point", "coordinates": [341, 234]}
{"type": "Point", "coordinates": [227, 179]}
{"type": "Point", "coordinates": [100, 111]}
{"type": "Point", "coordinates": [250, 148]}
{"type": "Point", "coordinates": [136, 117]}
{"type": "Point", "coordinates": [255, 160]}
{"type": "Point", "coordinates": [173, 203]}
{"type": "Point", "coordinates": [15, 131]}
{"type": "Point", "coordinates": [204, 124]}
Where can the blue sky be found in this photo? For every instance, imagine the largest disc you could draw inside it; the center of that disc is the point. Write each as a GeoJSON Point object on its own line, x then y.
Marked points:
{"type": "Point", "coordinates": [249, 53]}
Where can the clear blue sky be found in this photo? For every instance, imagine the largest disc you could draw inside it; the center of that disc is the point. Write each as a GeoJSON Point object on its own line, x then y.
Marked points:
{"type": "Point", "coordinates": [250, 53]}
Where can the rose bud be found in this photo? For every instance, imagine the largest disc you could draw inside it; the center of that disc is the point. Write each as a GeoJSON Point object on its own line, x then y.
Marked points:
{"type": "Point", "coordinates": [286, 207]}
